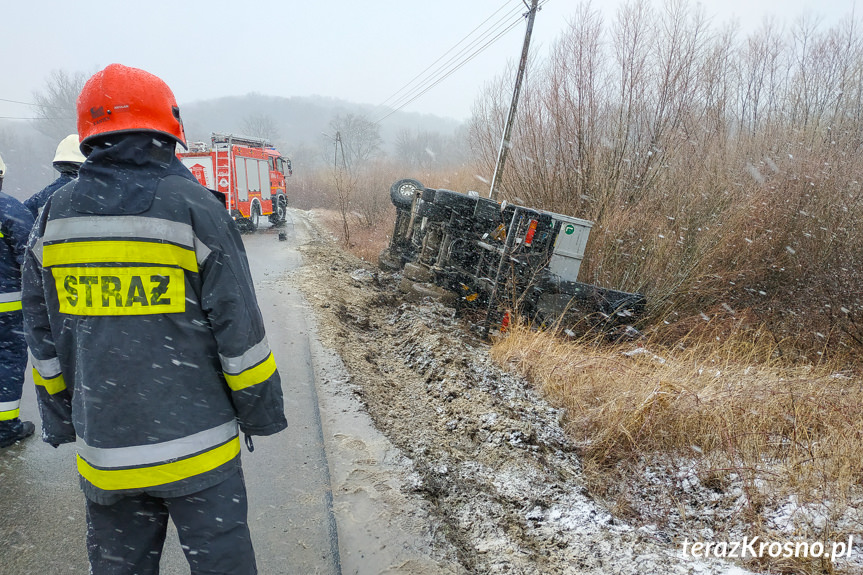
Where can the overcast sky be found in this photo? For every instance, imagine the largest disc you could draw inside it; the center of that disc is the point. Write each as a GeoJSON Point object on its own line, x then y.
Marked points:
{"type": "Point", "coordinates": [349, 49]}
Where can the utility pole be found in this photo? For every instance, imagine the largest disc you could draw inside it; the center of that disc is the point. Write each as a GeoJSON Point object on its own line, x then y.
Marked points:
{"type": "Point", "coordinates": [343, 188]}
{"type": "Point", "coordinates": [504, 143]}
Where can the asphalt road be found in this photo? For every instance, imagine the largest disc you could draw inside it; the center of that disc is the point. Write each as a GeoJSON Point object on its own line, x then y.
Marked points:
{"type": "Point", "coordinates": [42, 523]}
{"type": "Point", "coordinates": [300, 523]}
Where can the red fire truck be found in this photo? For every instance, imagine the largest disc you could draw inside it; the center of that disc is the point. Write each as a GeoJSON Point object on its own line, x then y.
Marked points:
{"type": "Point", "coordinates": [250, 173]}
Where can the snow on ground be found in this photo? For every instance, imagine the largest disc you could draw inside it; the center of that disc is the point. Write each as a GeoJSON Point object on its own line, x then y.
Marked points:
{"type": "Point", "coordinates": [489, 455]}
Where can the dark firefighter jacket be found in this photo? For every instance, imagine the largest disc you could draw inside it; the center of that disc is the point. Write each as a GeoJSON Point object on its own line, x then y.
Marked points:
{"type": "Point", "coordinates": [144, 329]}
{"type": "Point", "coordinates": [37, 200]}
{"type": "Point", "coordinates": [15, 224]}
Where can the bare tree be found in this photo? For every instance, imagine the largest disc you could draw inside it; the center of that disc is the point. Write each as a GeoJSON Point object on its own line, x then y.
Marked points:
{"type": "Point", "coordinates": [422, 149]}
{"type": "Point", "coordinates": [261, 126]}
{"type": "Point", "coordinates": [345, 181]}
{"type": "Point", "coordinates": [356, 141]}
{"type": "Point", "coordinates": [488, 117]}
{"type": "Point", "coordinates": [360, 138]}
{"type": "Point", "coordinates": [55, 104]}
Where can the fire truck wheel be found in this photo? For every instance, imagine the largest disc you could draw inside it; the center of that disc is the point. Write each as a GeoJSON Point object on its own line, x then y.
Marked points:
{"type": "Point", "coordinates": [279, 215]}
{"type": "Point", "coordinates": [402, 192]}
{"type": "Point", "coordinates": [254, 218]}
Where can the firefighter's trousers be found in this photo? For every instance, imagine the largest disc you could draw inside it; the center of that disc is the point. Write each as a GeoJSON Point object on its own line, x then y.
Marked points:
{"type": "Point", "coordinates": [126, 538]}
{"type": "Point", "coordinates": [13, 363]}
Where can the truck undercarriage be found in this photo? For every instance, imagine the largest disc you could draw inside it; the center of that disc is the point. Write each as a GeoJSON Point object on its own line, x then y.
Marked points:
{"type": "Point", "coordinates": [499, 258]}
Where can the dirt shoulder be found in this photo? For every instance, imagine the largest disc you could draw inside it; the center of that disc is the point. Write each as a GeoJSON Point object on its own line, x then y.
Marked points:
{"type": "Point", "coordinates": [497, 474]}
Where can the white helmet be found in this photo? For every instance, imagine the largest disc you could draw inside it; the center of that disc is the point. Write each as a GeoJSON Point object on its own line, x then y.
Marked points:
{"type": "Point", "coordinates": [2, 169]}
{"type": "Point", "coordinates": [69, 151]}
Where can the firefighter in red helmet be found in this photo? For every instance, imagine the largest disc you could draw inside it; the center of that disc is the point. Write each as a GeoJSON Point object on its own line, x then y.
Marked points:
{"type": "Point", "coordinates": [146, 339]}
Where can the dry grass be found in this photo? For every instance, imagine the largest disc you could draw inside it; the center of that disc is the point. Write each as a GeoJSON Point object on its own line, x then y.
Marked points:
{"type": "Point", "coordinates": [366, 243]}
{"type": "Point", "coordinates": [653, 125]}
{"type": "Point", "coordinates": [734, 408]}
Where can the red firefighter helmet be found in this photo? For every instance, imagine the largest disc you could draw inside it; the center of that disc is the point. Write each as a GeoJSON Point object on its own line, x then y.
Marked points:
{"type": "Point", "coordinates": [123, 99]}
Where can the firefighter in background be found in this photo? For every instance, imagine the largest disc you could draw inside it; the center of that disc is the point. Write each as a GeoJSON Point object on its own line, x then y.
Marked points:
{"type": "Point", "coordinates": [146, 339]}
{"type": "Point", "coordinates": [67, 159]}
{"type": "Point", "coordinates": [15, 224]}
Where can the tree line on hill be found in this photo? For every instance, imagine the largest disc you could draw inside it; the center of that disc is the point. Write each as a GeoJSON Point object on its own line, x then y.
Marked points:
{"type": "Point", "coordinates": [722, 170]}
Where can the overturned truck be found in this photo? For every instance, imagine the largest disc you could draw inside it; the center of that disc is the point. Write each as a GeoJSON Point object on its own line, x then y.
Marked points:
{"type": "Point", "coordinates": [498, 258]}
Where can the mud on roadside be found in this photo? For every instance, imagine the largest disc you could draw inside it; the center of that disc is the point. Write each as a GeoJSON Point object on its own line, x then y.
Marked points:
{"type": "Point", "coordinates": [490, 457]}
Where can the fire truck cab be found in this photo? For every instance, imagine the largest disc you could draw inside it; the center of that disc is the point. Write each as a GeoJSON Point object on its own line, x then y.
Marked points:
{"type": "Point", "coordinates": [249, 172]}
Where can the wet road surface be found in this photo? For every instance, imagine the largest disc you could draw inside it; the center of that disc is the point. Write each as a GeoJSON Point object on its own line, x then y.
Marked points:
{"type": "Point", "coordinates": [42, 527]}
{"type": "Point", "coordinates": [300, 523]}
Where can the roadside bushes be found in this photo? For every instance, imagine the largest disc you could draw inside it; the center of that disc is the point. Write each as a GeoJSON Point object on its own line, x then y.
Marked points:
{"type": "Point", "coordinates": [722, 171]}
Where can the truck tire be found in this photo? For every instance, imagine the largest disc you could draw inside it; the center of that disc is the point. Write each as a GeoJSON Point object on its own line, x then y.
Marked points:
{"type": "Point", "coordinates": [402, 192]}
{"type": "Point", "coordinates": [428, 195]}
{"type": "Point", "coordinates": [254, 219]}
{"type": "Point", "coordinates": [280, 211]}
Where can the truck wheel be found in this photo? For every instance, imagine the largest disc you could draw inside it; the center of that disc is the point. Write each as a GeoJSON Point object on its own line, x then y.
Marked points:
{"type": "Point", "coordinates": [402, 193]}
{"type": "Point", "coordinates": [280, 211]}
{"type": "Point", "coordinates": [254, 219]}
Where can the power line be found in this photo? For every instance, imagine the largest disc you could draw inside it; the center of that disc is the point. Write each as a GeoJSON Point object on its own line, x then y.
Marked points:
{"type": "Point", "coordinates": [453, 64]}
{"type": "Point", "coordinates": [34, 105]}
{"type": "Point", "coordinates": [17, 102]}
{"type": "Point", "coordinates": [31, 104]}
{"type": "Point", "coordinates": [458, 60]}
{"type": "Point", "coordinates": [412, 80]}
{"type": "Point", "coordinates": [423, 89]}
{"type": "Point", "coordinates": [22, 118]}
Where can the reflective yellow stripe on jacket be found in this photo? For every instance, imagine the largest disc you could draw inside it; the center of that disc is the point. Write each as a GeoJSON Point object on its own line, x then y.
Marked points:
{"type": "Point", "coordinates": [131, 229]}
{"type": "Point", "coordinates": [132, 252]}
{"type": "Point", "coordinates": [154, 253]}
{"type": "Point", "coordinates": [47, 374]}
{"type": "Point", "coordinates": [144, 466]}
{"type": "Point", "coordinates": [9, 410]}
{"type": "Point", "coordinates": [10, 301]}
{"type": "Point", "coordinates": [255, 366]}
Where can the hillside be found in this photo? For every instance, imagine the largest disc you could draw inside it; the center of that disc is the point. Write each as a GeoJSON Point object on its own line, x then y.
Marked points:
{"type": "Point", "coordinates": [297, 125]}
{"type": "Point", "coordinates": [299, 121]}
